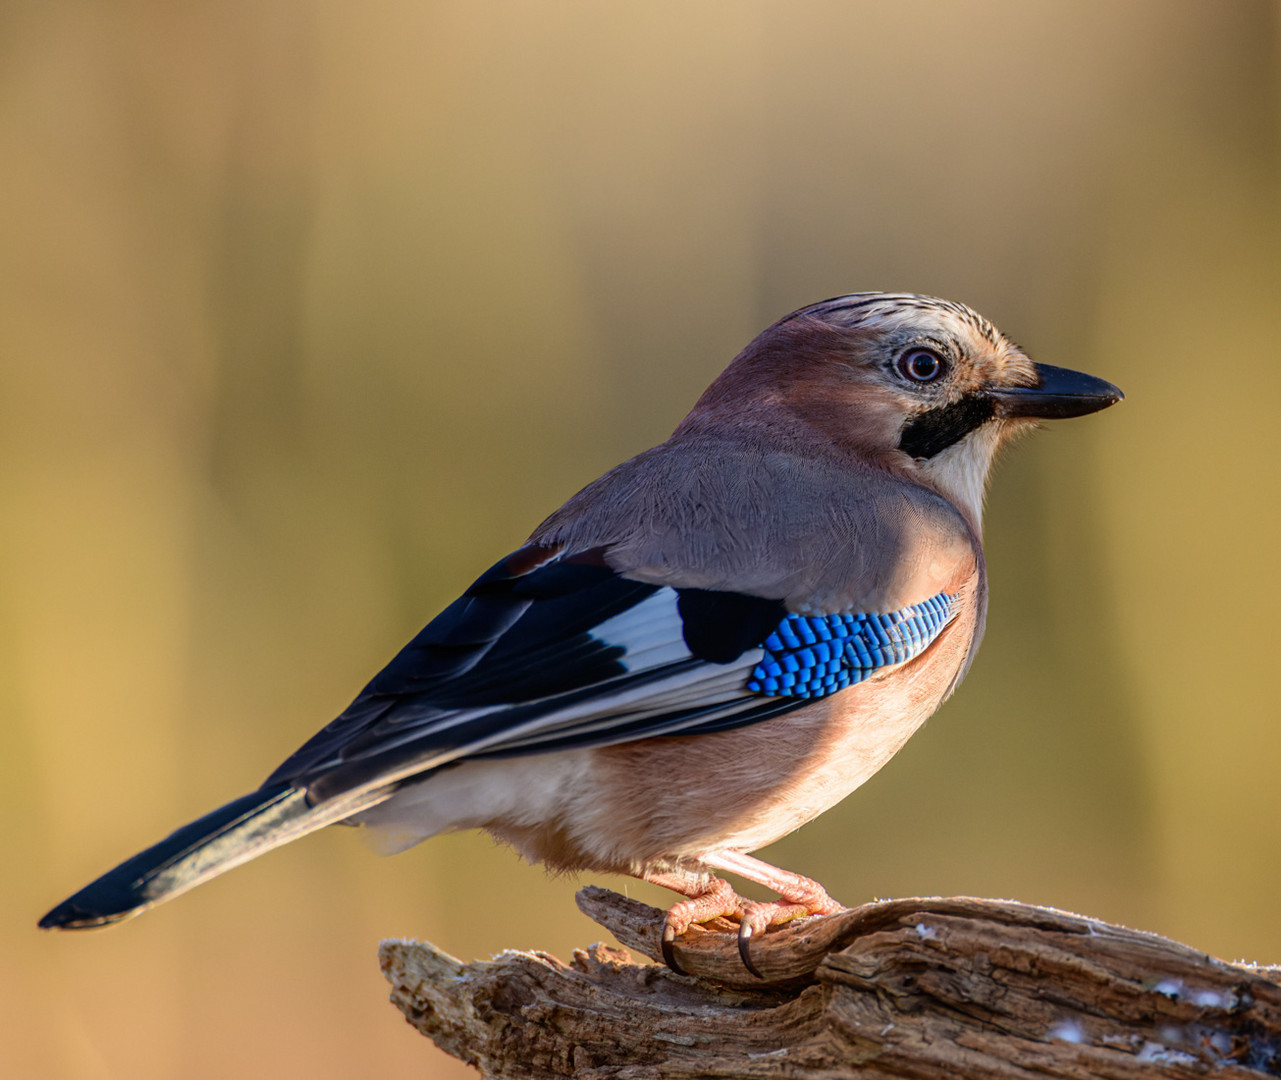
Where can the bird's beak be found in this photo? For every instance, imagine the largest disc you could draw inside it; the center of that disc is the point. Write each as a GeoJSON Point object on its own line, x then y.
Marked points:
{"type": "Point", "coordinates": [1060, 393]}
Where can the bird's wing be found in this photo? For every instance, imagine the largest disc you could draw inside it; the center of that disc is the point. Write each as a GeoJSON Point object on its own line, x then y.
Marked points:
{"type": "Point", "coordinates": [554, 649]}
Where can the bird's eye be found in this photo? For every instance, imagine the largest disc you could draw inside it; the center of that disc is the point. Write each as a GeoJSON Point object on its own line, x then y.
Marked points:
{"type": "Point", "coordinates": [922, 366]}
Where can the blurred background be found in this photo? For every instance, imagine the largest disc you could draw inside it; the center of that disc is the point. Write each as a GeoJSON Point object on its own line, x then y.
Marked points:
{"type": "Point", "coordinates": [310, 311]}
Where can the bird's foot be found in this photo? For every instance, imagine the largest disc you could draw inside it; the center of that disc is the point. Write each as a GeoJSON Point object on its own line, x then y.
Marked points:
{"type": "Point", "coordinates": [711, 898]}
{"type": "Point", "coordinates": [715, 899]}
{"type": "Point", "coordinates": [757, 917]}
{"type": "Point", "coordinates": [798, 897]}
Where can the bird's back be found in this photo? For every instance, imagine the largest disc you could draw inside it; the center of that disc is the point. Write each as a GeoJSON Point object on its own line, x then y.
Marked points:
{"type": "Point", "coordinates": [817, 530]}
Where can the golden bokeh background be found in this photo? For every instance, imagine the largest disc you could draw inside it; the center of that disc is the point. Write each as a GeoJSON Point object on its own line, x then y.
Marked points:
{"type": "Point", "coordinates": [310, 311]}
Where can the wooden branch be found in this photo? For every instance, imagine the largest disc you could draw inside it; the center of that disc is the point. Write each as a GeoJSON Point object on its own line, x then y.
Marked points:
{"type": "Point", "coordinates": [933, 988]}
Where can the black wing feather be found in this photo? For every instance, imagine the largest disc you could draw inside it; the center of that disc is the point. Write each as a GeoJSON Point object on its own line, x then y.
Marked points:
{"type": "Point", "coordinates": [518, 645]}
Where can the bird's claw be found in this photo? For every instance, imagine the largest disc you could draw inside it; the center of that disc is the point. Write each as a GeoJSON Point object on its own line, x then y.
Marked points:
{"type": "Point", "coordinates": [745, 931]}
{"type": "Point", "coordinates": [668, 945]}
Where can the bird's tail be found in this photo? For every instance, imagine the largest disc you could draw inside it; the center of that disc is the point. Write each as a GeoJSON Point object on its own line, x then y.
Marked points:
{"type": "Point", "coordinates": [242, 830]}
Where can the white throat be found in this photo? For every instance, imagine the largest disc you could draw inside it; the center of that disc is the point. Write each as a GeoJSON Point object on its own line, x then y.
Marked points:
{"type": "Point", "coordinates": [959, 473]}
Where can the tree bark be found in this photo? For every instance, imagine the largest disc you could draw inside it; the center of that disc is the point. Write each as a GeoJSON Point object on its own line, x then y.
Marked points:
{"type": "Point", "coordinates": [920, 988]}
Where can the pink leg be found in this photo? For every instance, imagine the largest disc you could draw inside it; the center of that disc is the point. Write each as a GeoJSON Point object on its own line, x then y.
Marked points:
{"type": "Point", "coordinates": [798, 891]}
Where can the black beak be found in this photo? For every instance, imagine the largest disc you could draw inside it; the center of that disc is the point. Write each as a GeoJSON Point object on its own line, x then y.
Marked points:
{"type": "Point", "coordinates": [1060, 394]}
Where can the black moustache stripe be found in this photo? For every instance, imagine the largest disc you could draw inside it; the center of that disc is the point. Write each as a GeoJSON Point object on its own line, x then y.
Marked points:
{"type": "Point", "coordinates": [936, 429]}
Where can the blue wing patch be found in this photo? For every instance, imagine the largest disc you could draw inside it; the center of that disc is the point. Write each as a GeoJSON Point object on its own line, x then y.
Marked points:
{"type": "Point", "coordinates": [812, 655]}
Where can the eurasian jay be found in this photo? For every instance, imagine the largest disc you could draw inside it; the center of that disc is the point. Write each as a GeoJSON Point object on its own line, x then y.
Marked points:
{"type": "Point", "coordinates": [699, 652]}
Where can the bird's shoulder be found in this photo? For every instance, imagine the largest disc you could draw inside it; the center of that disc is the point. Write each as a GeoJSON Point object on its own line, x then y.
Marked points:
{"type": "Point", "coordinates": [821, 532]}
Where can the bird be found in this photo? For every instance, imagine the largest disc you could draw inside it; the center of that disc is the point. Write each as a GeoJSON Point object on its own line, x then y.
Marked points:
{"type": "Point", "coordinates": [702, 650]}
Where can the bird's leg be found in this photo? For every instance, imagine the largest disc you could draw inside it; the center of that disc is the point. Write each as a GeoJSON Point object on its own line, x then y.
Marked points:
{"type": "Point", "coordinates": [708, 898]}
{"type": "Point", "coordinates": [799, 896]}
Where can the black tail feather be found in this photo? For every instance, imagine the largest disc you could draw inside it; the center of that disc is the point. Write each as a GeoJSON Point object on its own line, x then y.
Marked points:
{"type": "Point", "coordinates": [232, 834]}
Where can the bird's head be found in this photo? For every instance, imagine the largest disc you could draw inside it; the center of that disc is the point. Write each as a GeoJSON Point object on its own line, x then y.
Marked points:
{"type": "Point", "coordinates": [926, 388]}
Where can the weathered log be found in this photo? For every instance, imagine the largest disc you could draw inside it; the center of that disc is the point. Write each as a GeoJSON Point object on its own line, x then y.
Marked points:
{"type": "Point", "coordinates": [921, 988]}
